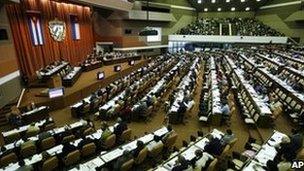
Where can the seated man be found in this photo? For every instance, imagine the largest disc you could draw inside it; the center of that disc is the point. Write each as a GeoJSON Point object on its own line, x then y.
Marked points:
{"type": "Point", "coordinates": [157, 141]}
{"type": "Point", "coordinates": [201, 160]}
{"type": "Point", "coordinates": [214, 147]}
{"type": "Point", "coordinates": [181, 164]}
{"type": "Point", "coordinates": [26, 142]}
{"type": "Point", "coordinates": [24, 167]}
{"type": "Point", "coordinates": [44, 135]}
{"type": "Point", "coordinates": [32, 128]}
{"type": "Point", "coordinates": [15, 117]}
{"type": "Point", "coordinates": [126, 156]}
{"type": "Point", "coordinates": [139, 146]}
{"type": "Point", "coordinates": [105, 132]}
{"type": "Point", "coordinates": [84, 142]}
{"type": "Point", "coordinates": [67, 148]}
{"type": "Point", "coordinates": [120, 128]}
{"type": "Point", "coordinates": [228, 137]}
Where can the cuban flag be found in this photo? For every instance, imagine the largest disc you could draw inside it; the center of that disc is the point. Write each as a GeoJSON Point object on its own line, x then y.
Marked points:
{"type": "Point", "coordinates": [75, 27]}
{"type": "Point", "coordinates": [35, 29]}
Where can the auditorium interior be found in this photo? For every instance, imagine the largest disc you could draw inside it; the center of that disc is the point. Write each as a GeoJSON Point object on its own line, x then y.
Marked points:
{"type": "Point", "coordinates": [151, 85]}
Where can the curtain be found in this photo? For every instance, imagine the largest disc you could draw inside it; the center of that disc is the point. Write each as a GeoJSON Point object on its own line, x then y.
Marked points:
{"type": "Point", "coordinates": [30, 57]}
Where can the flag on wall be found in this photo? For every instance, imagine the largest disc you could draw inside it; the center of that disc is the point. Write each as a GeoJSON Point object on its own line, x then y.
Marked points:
{"type": "Point", "coordinates": [75, 27]}
{"type": "Point", "coordinates": [35, 26]}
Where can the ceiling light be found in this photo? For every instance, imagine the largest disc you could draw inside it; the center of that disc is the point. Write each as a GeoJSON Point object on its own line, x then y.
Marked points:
{"type": "Point", "coordinates": [199, 1]}
{"type": "Point", "coordinates": [258, 0]}
{"type": "Point", "coordinates": [219, 9]}
{"type": "Point", "coordinates": [247, 9]}
{"type": "Point", "coordinates": [242, 0]}
{"type": "Point", "coordinates": [205, 9]}
{"type": "Point", "coordinates": [232, 9]}
{"type": "Point", "coordinates": [227, 1]}
{"type": "Point", "coordinates": [213, 1]}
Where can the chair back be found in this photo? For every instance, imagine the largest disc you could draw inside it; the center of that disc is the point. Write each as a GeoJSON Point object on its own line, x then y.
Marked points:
{"type": "Point", "coordinates": [300, 154]}
{"type": "Point", "coordinates": [49, 126]}
{"type": "Point", "coordinates": [68, 138]}
{"type": "Point", "coordinates": [9, 158]}
{"type": "Point", "coordinates": [50, 164]}
{"type": "Point", "coordinates": [48, 143]}
{"type": "Point", "coordinates": [32, 133]}
{"type": "Point", "coordinates": [28, 150]}
{"type": "Point", "coordinates": [88, 149]}
{"type": "Point", "coordinates": [88, 131]}
{"type": "Point", "coordinates": [171, 140]}
{"type": "Point", "coordinates": [156, 150]}
{"type": "Point", "coordinates": [141, 156]}
{"type": "Point", "coordinates": [212, 165]}
{"type": "Point", "coordinates": [126, 135]}
{"type": "Point", "coordinates": [12, 137]}
{"type": "Point", "coordinates": [225, 151]}
{"type": "Point", "coordinates": [232, 143]}
{"type": "Point", "coordinates": [72, 158]}
{"type": "Point", "coordinates": [127, 165]}
{"type": "Point", "coordinates": [110, 141]}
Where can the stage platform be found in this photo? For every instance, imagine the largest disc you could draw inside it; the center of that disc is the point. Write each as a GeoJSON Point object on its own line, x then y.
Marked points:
{"type": "Point", "coordinates": [85, 85]}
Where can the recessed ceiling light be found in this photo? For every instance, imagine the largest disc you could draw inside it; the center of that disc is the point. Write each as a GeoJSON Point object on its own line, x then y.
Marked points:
{"type": "Point", "coordinates": [242, 0]}
{"type": "Point", "coordinates": [213, 1]}
{"type": "Point", "coordinates": [258, 0]}
{"type": "Point", "coordinates": [219, 9]}
{"type": "Point", "coordinates": [205, 9]}
{"type": "Point", "coordinates": [247, 9]}
{"type": "Point", "coordinates": [232, 9]}
{"type": "Point", "coordinates": [227, 1]}
{"type": "Point", "coordinates": [199, 1]}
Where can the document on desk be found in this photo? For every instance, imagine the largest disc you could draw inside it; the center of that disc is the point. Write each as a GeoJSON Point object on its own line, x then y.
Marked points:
{"type": "Point", "coordinates": [11, 167]}
{"type": "Point", "coordinates": [189, 154]}
{"type": "Point", "coordinates": [130, 146]}
{"type": "Point", "coordinates": [75, 125]}
{"type": "Point", "coordinates": [161, 132]}
{"type": "Point", "coordinates": [170, 164]}
{"type": "Point", "coordinates": [112, 155]}
{"type": "Point", "coordinates": [57, 149]}
{"type": "Point", "coordinates": [98, 162]}
{"type": "Point", "coordinates": [35, 158]}
{"type": "Point", "coordinates": [202, 143]}
{"type": "Point", "coordinates": [59, 130]}
{"type": "Point", "coordinates": [147, 138]}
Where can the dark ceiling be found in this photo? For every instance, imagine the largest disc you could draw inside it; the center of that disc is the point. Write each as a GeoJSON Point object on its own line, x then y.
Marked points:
{"type": "Point", "coordinates": [227, 5]}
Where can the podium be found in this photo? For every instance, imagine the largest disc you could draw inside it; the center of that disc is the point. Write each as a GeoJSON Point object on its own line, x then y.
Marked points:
{"type": "Point", "coordinates": [54, 81]}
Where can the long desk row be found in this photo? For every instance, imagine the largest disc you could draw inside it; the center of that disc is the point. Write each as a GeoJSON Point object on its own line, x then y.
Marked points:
{"type": "Point", "coordinates": [40, 112]}
{"type": "Point", "coordinates": [46, 74]}
{"type": "Point", "coordinates": [179, 96]}
{"type": "Point", "coordinates": [258, 109]}
{"type": "Point", "coordinates": [212, 97]}
{"type": "Point", "coordinates": [161, 84]}
{"type": "Point", "coordinates": [287, 56]}
{"type": "Point", "coordinates": [56, 150]}
{"type": "Point", "coordinates": [71, 77]}
{"type": "Point", "coordinates": [35, 138]}
{"type": "Point", "coordinates": [267, 152]}
{"type": "Point", "coordinates": [77, 108]}
{"type": "Point", "coordinates": [109, 156]}
{"type": "Point", "coordinates": [292, 73]}
{"type": "Point", "coordinates": [287, 95]}
{"type": "Point", "coordinates": [143, 80]}
{"type": "Point", "coordinates": [189, 152]}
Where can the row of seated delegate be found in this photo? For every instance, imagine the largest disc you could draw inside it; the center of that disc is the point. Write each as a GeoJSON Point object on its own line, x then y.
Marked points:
{"type": "Point", "coordinates": [239, 26]}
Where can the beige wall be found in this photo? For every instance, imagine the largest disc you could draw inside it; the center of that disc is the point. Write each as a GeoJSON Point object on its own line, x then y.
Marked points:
{"type": "Point", "coordinates": [275, 18]}
{"type": "Point", "coordinates": [8, 60]}
{"type": "Point", "coordinates": [8, 64]}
